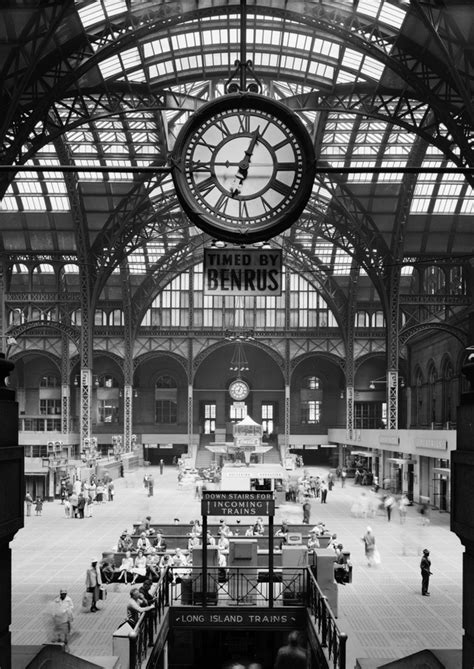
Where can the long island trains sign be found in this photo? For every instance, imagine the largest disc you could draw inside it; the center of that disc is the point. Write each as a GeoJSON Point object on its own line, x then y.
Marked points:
{"type": "Point", "coordinates": [293, 618]}
{"type": "Point", "coordinates": [237, 503]}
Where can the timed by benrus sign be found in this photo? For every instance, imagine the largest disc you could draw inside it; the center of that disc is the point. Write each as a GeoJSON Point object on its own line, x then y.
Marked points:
{"type": "Point", "coordinates": [233, 271]}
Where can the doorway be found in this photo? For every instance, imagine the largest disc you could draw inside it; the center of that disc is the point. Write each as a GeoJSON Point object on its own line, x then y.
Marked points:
{"type": "Point", "coordinates": [195, 649]}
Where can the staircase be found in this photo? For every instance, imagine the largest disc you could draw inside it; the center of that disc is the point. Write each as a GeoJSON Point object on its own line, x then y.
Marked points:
{"type": "Point", "coordinates": [204, 458]}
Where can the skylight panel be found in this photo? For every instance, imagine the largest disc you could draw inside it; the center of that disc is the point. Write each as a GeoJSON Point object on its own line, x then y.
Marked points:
{"type": "Point", "coordinates": [160, 69]}
{"type": "Point", "coordinates": [9, 201]}
{"type": "Point", "coordinates": [91, 14]}
{"type": "Point", "coordinates": [115, 7]}
{"type": "Point", "coordinates": [130, 58]}
{"type": "Point", "coordinates": [326, 48]}
{"type": "Point", "coordinates": [391, 15]}
{"type": "Point", "coordinates": [137, 262]}
{"type": "Point", "coordinates": [89, 176]}
{"type": "Point", "coordinates": [321, 70]}
{"type": "Point", "coordinates": [156, 47]}
{"type": "Point", "coordinates": [361, 177]}
{"type": "Point", "coordinates": [369, 7]}
{"type": "Point", "coordinates": [120, 175]}
{"type": "Point", "coordinates": [342, 263]}
{"type": "Point", "coordinates": [110, 67]}
{"type": "Point", "coordinates": [372, 68]}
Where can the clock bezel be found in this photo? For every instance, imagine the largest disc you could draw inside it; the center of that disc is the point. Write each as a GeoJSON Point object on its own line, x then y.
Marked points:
{"type": "Point", "coordinates": [253, 230]}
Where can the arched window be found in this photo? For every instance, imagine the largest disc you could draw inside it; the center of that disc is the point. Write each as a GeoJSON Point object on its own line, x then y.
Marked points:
{"type": "Point", "coordinates": [378, 319]}
{"type": "Point", "coordinates": [434, 281]}
{"type": "Point", "coordinates": [116, 317]}
{"type": "Point", "coordinates": [50, 395]}
{"type": "Point", "coordinates": [108, 398]}
{"type": "Point", "coordinates": [311, 397]}
{"type": "Point", "coordinates": [100, 317]}
{"type": "Point", "coordinates": [76, 318]}
{"type": "Point", "coordinates": [166, 400]}
{"type": "Point", "coordinates": [362, 319]}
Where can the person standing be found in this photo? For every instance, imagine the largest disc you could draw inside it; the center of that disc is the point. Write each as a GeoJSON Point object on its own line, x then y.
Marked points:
{"type": "Point", "coordinates": [62, 615]}
{"type": "Point", "coordinates": [150, 485]}
{"type": "Point", "coordinates": [134, 609]}
{"type": "Point", "coordinates": [93, 583]}
{"type": "Point", "coordinates": [324, 492]}
{"type": "Point", "coordinates": [291, 656]}
{"type": "Point", "coordinates": [425, 566]}
{"type": "Point", "coordinates": [38, 506]}
{"type": "Point", "coordinates": [29, 503]}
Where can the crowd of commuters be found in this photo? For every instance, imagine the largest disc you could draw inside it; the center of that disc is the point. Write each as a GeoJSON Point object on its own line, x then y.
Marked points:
{"type": "Point", "coordinates": [147, 557]}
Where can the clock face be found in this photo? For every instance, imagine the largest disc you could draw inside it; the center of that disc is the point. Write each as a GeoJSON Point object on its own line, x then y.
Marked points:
{"type": "Point", "coordinates": [238, 390]}
{"type": "Point", "coordinates": [243, 168]}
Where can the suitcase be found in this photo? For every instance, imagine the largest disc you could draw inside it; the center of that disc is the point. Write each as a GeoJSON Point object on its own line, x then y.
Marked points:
{"type": "Point", "coordinates": [103, 593]}
{"type": "Point", "coordinates": [87, 600]}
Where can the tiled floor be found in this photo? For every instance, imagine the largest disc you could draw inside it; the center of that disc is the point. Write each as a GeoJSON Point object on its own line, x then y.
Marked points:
{"type": "Point", "coordinates": [382, 611]}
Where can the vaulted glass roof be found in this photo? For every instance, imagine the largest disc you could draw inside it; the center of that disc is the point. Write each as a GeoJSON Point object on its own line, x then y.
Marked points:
{"type": "Point", "coordinates": [94, 110]}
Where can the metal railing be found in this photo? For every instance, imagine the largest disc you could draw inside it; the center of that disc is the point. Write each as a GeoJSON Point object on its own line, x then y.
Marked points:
{"type": "Point", "coordinates": [142, 638]}
{"type": "Point", "coordinates": [233, 586]}
{"type": "Point", "coordinates": [331, 640]}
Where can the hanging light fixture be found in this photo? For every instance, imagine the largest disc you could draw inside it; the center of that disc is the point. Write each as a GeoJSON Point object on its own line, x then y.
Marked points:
{"type": "Point", "coordinates": [239, 362]}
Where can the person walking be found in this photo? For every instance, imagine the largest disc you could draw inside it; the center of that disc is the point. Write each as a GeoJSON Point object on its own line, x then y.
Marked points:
{"type": "Point", "coordinates": [369, 546]}
{"type": "Point", "coordinates": [61, 612]}
{"type": "Point", "coordinates": [306, 510]}
{"type": "Point", "coordinates": [93, 583]}
{"type": "Point", "coordinates": [403, 502]}
{"type": "Point", "coordinates": [29, 503]}
{"type": "Point", "coordinates": [150, 485]}
{"type": "Point", "coordinates": [389, 503]}
{"type": "Point", "coordinates": [425, 567]}
{"type": "Point", "coordinates": [291, 656]}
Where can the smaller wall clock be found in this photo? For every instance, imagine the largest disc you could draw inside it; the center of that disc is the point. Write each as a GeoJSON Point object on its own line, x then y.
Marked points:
{"type": "Point", "coordinates": [238, 390]}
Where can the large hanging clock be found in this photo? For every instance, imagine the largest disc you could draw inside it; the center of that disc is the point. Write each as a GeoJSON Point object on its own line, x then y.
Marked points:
{"type": "Point", "coordinates": [243, 168]}
{"type": "Point", "coordinates": [238, 390]}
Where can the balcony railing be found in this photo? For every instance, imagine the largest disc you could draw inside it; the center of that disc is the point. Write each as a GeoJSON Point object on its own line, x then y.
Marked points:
{"type": "Point", "coordinates": [234, 586]}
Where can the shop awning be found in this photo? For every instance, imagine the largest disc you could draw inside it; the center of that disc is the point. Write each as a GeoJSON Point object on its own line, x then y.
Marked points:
{"type": "Point", "coordinates": [443, 471]}
{"type": "Point", "coordinates": [364, 454]}
{"type": "Point", "coordinates": [397, 461]}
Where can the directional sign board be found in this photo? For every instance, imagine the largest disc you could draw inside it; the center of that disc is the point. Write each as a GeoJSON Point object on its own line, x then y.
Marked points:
{"type": "Point", "coordinates": [293, 618]}
{"type": "Point", "coordinates": [237, 503]}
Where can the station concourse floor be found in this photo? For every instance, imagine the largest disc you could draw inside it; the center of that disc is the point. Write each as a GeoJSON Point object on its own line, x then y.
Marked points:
{"type": "Point", "coordinates": [382, 611]}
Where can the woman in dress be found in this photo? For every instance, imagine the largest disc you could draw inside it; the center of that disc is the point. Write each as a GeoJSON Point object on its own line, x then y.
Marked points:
{"type": "Point", "coordinates": [126, 567]}
{"type": "Point", "coordinates": [139, 567]}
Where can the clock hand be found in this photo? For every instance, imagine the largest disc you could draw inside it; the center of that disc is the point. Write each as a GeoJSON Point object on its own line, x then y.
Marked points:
{"type": "Point", "coordinates": [244, 165]}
